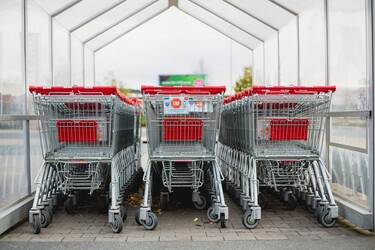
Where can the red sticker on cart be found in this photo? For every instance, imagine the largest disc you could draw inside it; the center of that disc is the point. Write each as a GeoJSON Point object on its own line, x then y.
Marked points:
{"type": "Point", "coordinates": [175, 105]}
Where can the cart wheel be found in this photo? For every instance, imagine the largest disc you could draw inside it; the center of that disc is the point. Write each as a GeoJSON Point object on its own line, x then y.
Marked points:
{"type": "Point", "coordinates": [36, 224]}
{"type": "Point", "coordinates": [136, 217]}
{"type": "Point", "coordinates": [262, 201]}
{"type": "Point", "coordinates": [117, 224]}
{"type": "Point", "coordinates": [222, 221]}
{"type": "Point", "coordinates": [292, 202]}
{"type": "Point", "coordinates": [69, 206]}
{"type": "Point", "coordinates": [123, 213]}
{"type": "Point", "coordinates": [248, 222]}
{"type": "Point", "coordinates": [201, 205]}
{"type": "Point", "coordinates": [45, 218]}
{"type": "Point", "coordinates": [326, 220]}
{"type": "Point", "coordinates": [211, 215]}
{"type": "Point", "coordinates": [151, 222]}
{"type": "Point", "coordinates": [309, 208]}
{"type": "Point", "coordinates": [319, 213]}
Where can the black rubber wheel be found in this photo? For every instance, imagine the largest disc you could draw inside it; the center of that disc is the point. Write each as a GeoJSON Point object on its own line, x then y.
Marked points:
{"type": "Point", "coordinates": [202, 205]}
{"type": "Point", "coordinates": [292, 202]}
{"type": "Point", "coordinates": [45, 218]}
{"type": "Point", "coordinates": [319, 212]}
{"type": "Point", "coordinates": [123, 213]}
{"type": "Point", "coordinates": [136, 217]}
{"type": "Point", "coordinates": [151, 222]}
{"type": "Point", "coordinates": [222, 221]}
{"type": "Point", "coordinates": [262, 201]}
{"type": "Point", "coordinates": [117, 224]}
{"type": "Point", "coordinates": [248, 222]}
{"type": "Point", "coordinates": [36, 227]}
{"type": "Point", "coordinates": [70, 208]}
{"type": "Point", "coordinates": [211, 215]}
{"type": "Point", "coordinates": [326, 221]}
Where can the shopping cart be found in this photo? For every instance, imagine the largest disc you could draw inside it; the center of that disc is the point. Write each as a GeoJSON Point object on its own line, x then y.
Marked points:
{"type": "Point", "coordinates": [272, 137]}
{"type": "Point", "coordinates": [182, 127]}
{"type": "Point", "coordinates": [90, 143]}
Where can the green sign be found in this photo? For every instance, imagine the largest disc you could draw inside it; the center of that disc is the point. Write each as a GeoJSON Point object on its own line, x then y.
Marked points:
{"type": "Point", "coordinates": [182, 80]}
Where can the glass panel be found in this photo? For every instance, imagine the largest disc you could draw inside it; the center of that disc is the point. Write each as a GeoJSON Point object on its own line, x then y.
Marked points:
{"type": "Point", "coordinates": [347, 30]}
{"type": "Point", "coordinates": [82, 11]}
{"type": "Point", "coordinates": [113, 16]}
{"type": "Point", "coordinates": [89, 67]}
{"type": "Point", "coordinates": [237, 17]}
{"type": "Point", "coordinates": [258, 71]}
{"type": "Point", "coordinates": [288, 54]}
{"type": "Point", "coordinates": [266, 11]}
{"type": "Point", "coordinates": [53, 5]}
{"type": "Point", "coordinates": [36, 156]}
{"type": "Point", "coordinates": [296, 5]}
{"type": "Point", "coordinates": [12, 88]}
{"type": "Point", "coordinates": [61, 71]}
{"type": "Point", "coordinates": [171, 43]}
{"type": "Point", "coordinates": [350, 131]}
{"type": "Point", "coordinates": [218, 24]}
{"type": "Point", "coordinates": [13, 181]}
{"type": "Point", "coordinates": [312, 45]}
{"type": "Point", "coordinates": [77, 48]}
{"type": "Point", "coordinates": [128, 25]}
{"type": "Point", "coordinates": [350, 175]}
{"type": "Point", "coordinates": [271, 61]}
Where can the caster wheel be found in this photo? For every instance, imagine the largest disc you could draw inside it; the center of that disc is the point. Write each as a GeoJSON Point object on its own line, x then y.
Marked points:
{"type": "Point", "coordinates": [151, 222]}
{"type": "Point", "coordinates": [136, 217]}
{"type": "Point", "coordinates": [201, 205]}
{"type": "Point", "coordinates": [309, 208]}
{"type": "Point", "coordinates": [45, 218]}
{"type": "Point", "coordinates": [326, 220]}
{"type": "Point", "coordinates": [36, 225]}
{"type": "Point", "coordinates": [319, 213]}
{"type": "Point", "coordinates": [123, 213]}
{"type": "Point", "coordinates": [292, 202]}
{"type": "Point", "coordinates": [70, 208]}
{"type": "Point", "coordinates": [248, 222]}
{"type": "Point", "coordinates": [211, 215]}
{"type": "Point", "coordinates": [222, 221]}
{"type": "Point", "coordinates": [262, 201]}
{"type": "Point", "coordinates": [117, 224]}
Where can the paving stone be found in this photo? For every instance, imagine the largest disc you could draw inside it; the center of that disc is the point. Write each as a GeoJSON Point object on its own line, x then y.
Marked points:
{"type": "Point", "coordinates": [72, 239]}
{"type": "Point", "coordinates": [175, 238]}
{"type": "Point", "coordinates": [50, 239]}
{"type": "Point", "coordinates": [151, 238]}
{"type": "Point", "coordinates": [105, 239]}
{"type": "Point", "coordinates": [204, 238]}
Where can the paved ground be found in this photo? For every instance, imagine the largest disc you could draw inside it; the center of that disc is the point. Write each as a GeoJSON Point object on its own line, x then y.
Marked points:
{"type": "Point", "coordinates": [281, 228]}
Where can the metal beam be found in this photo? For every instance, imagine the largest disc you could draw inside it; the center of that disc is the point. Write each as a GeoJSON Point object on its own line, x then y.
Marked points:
{"type": "Point", "coordinates": [252, 16]}
{"type": "Point", "coordinates": [118, 22]}
{"type": "Point", "coordinates": [65, 8]}
{"type": "Point", "coordinates": [224, 19]}
{"type": "Point", "coordinates": [221, 32]}
{"type": "Point", "coordinates": [283, 7]}
{"type": "Point", "coordinates": [80, 25]}
{"type": "Point", "coordinates": [136, 26]}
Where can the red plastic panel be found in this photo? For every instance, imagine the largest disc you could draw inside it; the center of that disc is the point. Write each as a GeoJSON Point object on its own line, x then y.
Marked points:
{"type": "Point", "coordinates": [77, 131]}
{"type": "Point", "coordinates": [283, 129]}
{"type": "Point", "coordinates": [182, 129]}
{"type": "Point", "coordinates": [154, 90]}
{"type": "Point", "coordinates": [293, 90]}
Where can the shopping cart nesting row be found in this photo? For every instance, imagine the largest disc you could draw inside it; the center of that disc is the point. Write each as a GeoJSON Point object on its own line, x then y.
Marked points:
{"type": "Point", "coordinates": [182, 129]}
{"type": "Point", "coordinates": [272, 137]}
{"type": "Point", "coordinates": [90, 142]}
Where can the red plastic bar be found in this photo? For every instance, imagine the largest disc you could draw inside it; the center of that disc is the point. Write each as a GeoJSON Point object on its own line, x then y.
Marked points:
{"type": "Point", "coordinates": [293, 90]}
{"type": "Point", "coordinates": [104, 90]}
{"type": "Point", "coordinates": [154, 90]}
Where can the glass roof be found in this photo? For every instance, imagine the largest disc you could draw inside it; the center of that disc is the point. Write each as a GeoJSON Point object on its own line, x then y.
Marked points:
{"type": "Point", "coordinates": [97, 22]}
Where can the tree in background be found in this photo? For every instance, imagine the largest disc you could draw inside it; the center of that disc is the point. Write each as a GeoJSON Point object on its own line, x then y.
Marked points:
{"type": "Point", "coordinates": [110, 79]}
{"type": "Point", "coordinates": [245, 81]}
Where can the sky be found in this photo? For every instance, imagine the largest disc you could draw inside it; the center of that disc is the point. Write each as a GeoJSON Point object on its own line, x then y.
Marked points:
{"type": "Point", "coordinates": [172, 43]}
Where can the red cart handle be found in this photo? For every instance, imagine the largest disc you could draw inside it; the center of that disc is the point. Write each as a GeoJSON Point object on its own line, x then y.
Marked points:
{"type": "Point", "coordinates": [292, 90]}
{"type": "Point", "coordinates": [193, 90]}
{"type": "Point", "coordinates": [78, 90]}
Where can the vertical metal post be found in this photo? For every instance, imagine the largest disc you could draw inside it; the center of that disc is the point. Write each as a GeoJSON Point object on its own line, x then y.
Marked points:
{"type": "Point", "coordinates": [370, 8]}
{"type": "Point", "coordinates": [278, 58]}
{"type": "Point", "coordinates": [26, 131]}
{"type": "Point", "coordinates": [326, 81]}
{"type": "Point", "coordinates": [83, 65]}
{"type": "Point", "coordinates": [93, 66]}
{"type": "Point", "coordinates": [264, 63]}
{"type": "Point", "coordinates": [298, 54]}
{"type": "Point", "coordinates": [230, 62]}
{"type": "Point", "coordinates": [51, 52]}
{"type": "Point", "coordinates": [70, 57]}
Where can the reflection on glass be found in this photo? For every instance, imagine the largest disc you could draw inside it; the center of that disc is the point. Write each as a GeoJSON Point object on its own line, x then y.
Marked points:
{"type": "Point", "coordinates": [350, 131]}
{"type": "Point", "coordinates": [347, 30]}
{"type": "Point", "coordinates": [36, 156]}
{"type": "Point", "coordinates": [13, 181]}
{"type": "Point", "coordinates": [350, 175]}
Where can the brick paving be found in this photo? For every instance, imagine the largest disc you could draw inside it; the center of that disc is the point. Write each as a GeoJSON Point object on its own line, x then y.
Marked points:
{"type": "Point", "coordinates": [182, 223]}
